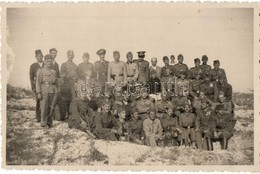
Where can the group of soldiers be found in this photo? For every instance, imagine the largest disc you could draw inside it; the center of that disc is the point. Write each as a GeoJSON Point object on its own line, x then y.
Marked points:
{"type": "Point", "coordinates": [151, 105]}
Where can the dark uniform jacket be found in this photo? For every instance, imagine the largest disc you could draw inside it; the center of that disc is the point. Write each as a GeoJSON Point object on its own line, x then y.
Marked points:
{"type": "Point", "coordinates": [208, 89]}
{"type": "Point", "coordinates": [33, 72]}
{"type": "Point", "coordinates": [180, 67]}
{"type": "Point", "coordinates": [100, 71]}
{"type": "Point", "coordinates": [203, 119]}
{"type": "Point", "coordinates": [55, 67]}
{"type": "Point", "coordinates": [217, 73]}
{"type": "Point", "coordinates": [195, 87]}
{"type": "Point", "coordinates": [144, 71]}
{"type": "Point", "coordinates": [168, 121]}
{"type": "Point", "coordinates": [104, 122]}
{"type": "Point", "coordinates": [136, 129]}
{"type": "Point", "coordinates": [194, 71]}
{"type": "Point", "coordinates": [85, 66]}
{"type": "Point", "coordinates": [226, 89]}
{"type": "Point", "coordinates": [205, 70]}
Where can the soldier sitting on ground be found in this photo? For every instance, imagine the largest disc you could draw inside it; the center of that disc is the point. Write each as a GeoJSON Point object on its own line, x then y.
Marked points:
{"type": "Point", "coordinates": [198, 100]}
{"type": "Point", "coordinates": [136, 134]}
{"type": "Point", "coordinates": [122, 126]}
{"type": "Point", "coordinates": [187, 124]}
{"type": "Point", "coordinates": [152, 129]}
{"type": "Point", "coordinates": [223, 126]}
{"type": "Point", "coordinates": [208, 87]}
{"type": "Point", "coordinates": [105, 123]}
{"type": "Point", "coordinates": [195, 86]}
{"type": "Point", "coordinates": [163, 104]}
{"type": "Point", "coordinates": [226, 105]}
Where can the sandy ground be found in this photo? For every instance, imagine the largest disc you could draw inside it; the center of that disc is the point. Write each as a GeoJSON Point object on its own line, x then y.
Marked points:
{"type": "Point", "coordinates": [28, 144]}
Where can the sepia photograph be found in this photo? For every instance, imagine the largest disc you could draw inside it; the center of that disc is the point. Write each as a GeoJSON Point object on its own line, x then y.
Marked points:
{"type": "Point", "coordinates": [128, 84]}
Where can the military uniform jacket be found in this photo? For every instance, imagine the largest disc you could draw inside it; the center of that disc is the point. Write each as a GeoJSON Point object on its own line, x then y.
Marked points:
{"type": "Point", "coordinates": [56, 68]}
{"type": "Point", "coordinates": [33, 73]}
{"type": "Point", "coordinates": [162, 105]}
{"type": "Point", "coordinates": [69, 72]}
{"type": "Point", "coordinates": [136, 128]}
{"type": "Point", "coordinates": [143, 68]}
{"type": "Point", "coordinates": [194, 71]}
{"type": "Point", "coordinates": [167, 71]}
{"type": "Point", "coordinates": [226, 89]}
{"type": "Point", "coordinates": [117, 72]}
{"type": "Point", "coordinates": [104, 122]}
{"type": "Point", "coordinates": [168, 121]}
{"type": "Point", "coordinates": [222, 122]}
{"type": "Point", "coordinates": [208, 89]}
{"type": "Point", "coordinates": [187, 120]}
{"type": "Point", "coordinates": [203, 119]}
{"type": "Point", "coordinates": [132, 71]}
{"type": "Point", "coordinates": [100, 71]}
{"type": "Point", "coordinates": [180, 67]}
{"type": "Point", "coordinates": [46, 81]}
{"type": "Point", "coordinates": [152, 127]}
{"type": "Point", "coordinates": [217, 73]}
{"type": "Point", "coordinates": [205, 69]}
{"type": "Point", "coordinates": [183, 87]}
{"type": "Point", "coordinates": [156, 70]}
{"type": "Point", "coordinates": [85, 66]}
{"type": "Point", "coordinates": [195, 87]}
{"type": "Point", "coordinates": [227, 107]}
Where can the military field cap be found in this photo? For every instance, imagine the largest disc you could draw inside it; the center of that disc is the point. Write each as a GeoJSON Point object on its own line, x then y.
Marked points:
{"type": "Point", "coordinates": [129, 53]}
{"type": "Point", "coordinates": [116, 52]}
{"type": "Point", "coordinates": [196, 60]}
{"type": "Point", "coordinates": [141, 53]}
{"type": "Point", "coordinates": [134, 110]}
{"type": "Point", "coordinates": [120, 109]}
{"type": "Point", "coordinates": [48, 57]}
{"type": "Point", "coordinates": [183, 72]}
{"type": "Point", "coordinates": [53, 49]}
{"type": "Point", "coordinates": [180, 55]}
{"type": "Point", "coordinates": [101, 51]}
{"type": "Point", "coordinates": [70, 52]}
{"type": "Point", "coordinates": [106, 102]}
{"type": "Point", "coordinates": [204, 57]}
{"type": "Point", "coordinates": [38, 52]}
{"type": "Point", "coordinates": [216, 61]}
{"type": "Point", "coordinates": [152, 109]}
{"type": "Point", "coordinates": [165, 58]}
{"type": "Point", "coordinates": [85, 55]}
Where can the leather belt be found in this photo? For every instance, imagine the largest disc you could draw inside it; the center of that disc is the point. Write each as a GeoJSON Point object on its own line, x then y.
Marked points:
{"type": "Point", "coordinates": [48, 83]}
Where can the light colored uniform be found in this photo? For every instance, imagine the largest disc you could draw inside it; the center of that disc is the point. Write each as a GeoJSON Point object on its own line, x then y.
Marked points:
{"type": "Point", "coordinates": [116, 72]}
{"type": "Point", "coordinates": [132, 71]}
{"type": "Point", "coordinates": [152, 130]}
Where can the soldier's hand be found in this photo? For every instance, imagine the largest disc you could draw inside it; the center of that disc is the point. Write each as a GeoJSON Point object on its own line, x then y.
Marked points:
{"type": "Point", "coordinates": [39, 96]}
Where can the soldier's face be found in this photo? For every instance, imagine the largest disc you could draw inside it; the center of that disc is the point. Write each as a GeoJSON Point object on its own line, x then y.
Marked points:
{"type": "Point", "coordinates": [154, 62]}
{"type": "Point", "coordinates": [204, 61]}
{"type": "Point", "coordinates": [135, 115]}
{"type": "Point", "coordinates": [221, 81]}
{"type": "Point", "coordinates": [86, 58]}
{"type": "Point", "coordinates": [166, 62]}
{"type": "Point", "coordinates": [197, 63]}
{"type": "Point", "coordinates": [122, 115]}
{"type": "Point", "coordinates": [202, 95]}
{"type": "Point", "coordinates": [183, 76]}
{"type": "Point", "coordinates": [48, 63]}
{"type": "Point", "coordinates": [39, 57]}
{"type": "Point", "coordinates": [53, 54]}
{"type": "Point", "coordinates": [152, 115]}
{"type": "Point", "coordinates": [170, 112]}
{"type": "Point", "coordinates": [216, 65]}
{"type": "Point", "coordinates": [204, 105]}
{"type": "Point", "coordinates": [70, 55]}
{"type": "Point", "coordinates": [221, 98]}
{"type": "Point", "coordinates": [116, 57]}
{"type": "Point", "coordinates": [106, 107]}
{"type": "Point", "coordinates": [102, 56]}
{"type": "Point", "coordinates": [187, 108]}
{"type": "Point", "coordinates": [129, 57]}
{"type": "Point", "coordinates": [144, 95]}
{"type": "Point", "coordinates": [180, 59]}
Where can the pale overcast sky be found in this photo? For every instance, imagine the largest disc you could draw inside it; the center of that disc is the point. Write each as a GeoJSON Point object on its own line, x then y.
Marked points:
{"type": "Point", "coordinates": [159, 29]}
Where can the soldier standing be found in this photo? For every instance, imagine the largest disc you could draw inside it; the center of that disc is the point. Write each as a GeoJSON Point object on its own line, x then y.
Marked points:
{"type": "Point", "coordinates": [152, 129]}
{"type": "Point", "coordinates": [217, 72]}
{"type": "Point", "coordinates": [53, 52]}
{"type": "Point", "coordinates": [195, 70]}
{"type": "Point", "coordinates": [46, 88]}
{"type": "Point", "coordinates": [117, 71]}
{"type": "Point", "coordinates": [204, 66]}
{"type": "Point", "coordinates": [33, 72]}
{"type": "Point", "coordinates": [154, 68]}
{"type": "Point", "coordinates": [180, 66]}
{"type": "Point", "coordinates": [69, 77]}
{"type": "Point", "coordinates": [131, 68]}
{"type": "Point", "coordinates": [187, 124]}
{"type": "Point", "coordinates": [85, 65]}
{"type": "Point", "coordinates": [100, 69]}
{"type": "Point", "coordinates": [204, 127]}
{"type": "Point", "coordinates": [143, 68]}
{"type": "Point", "coordinates": [172, 60]}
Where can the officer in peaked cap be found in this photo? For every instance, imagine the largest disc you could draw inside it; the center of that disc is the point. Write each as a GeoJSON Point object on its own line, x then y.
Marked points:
{"type": "Point", "coordinates": [101, 69]}
{"type": "Point", "coordinates": [143, 68]}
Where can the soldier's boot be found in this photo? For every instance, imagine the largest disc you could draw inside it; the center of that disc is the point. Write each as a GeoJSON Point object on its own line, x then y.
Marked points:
{"type": "Point", "coordinates": [210, 144]}
{"type": "Point", "coordinates": [225, 143]}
